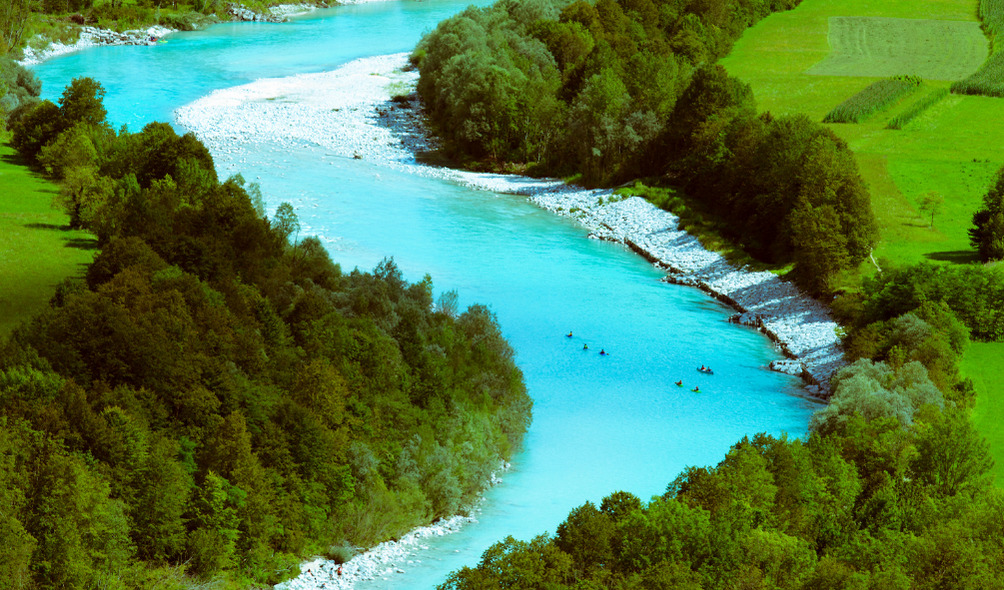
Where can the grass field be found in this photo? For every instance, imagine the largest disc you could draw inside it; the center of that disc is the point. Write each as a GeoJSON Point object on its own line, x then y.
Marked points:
{"type": "Point", "coordinates": [954, 147]}
{"type": "Point", "coordinates": [37, 250]}
{"type": "Point", "coordinates": [984, 364]}
{"type": "Point", "coordinates": [886, 47]}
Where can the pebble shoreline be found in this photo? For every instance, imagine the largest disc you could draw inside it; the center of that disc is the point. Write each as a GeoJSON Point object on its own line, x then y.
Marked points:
{"type": "Point", "coordinates": [94, 36]}
{"type": "Point", "coordinates": [349, 112]}
{"type": "Point", "coordinates": [383, 560]}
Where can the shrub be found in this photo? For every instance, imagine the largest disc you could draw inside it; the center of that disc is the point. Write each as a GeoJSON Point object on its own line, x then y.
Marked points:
{"type": "Point", "coordinates": [875, 97]}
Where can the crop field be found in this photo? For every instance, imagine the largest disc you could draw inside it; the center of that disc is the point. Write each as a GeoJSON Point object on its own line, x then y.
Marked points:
{"type": "Point", "coordinates": [876, 97]}
{"type": "Point", "coordinates": [37, 251]}
{"type": "Point", "coordinates": [917, 108]}
{"type": "Point", "coordinates": [988, 81]}
{"type": "Point", "coordinates": [952, 146]}
{"type": "Point", "coordinates": [885, 47]}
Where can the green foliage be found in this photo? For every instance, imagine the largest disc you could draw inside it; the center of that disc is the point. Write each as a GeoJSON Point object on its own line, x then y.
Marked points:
{"type": "Point", "coordinates": [975, 294]}
{"type": "Point", "coordinates": [787, 188]}
{"type": "Point", "coordinates": [987, 233]}
{"type": "Point", "coordinates": [864, 506]}
{"type": "Point", "coordinates": [991, 12]}
{"type": "Point", "coordinates": [876, 97]}
{"type": "Point", "coordinates": [14, 17]}
{"type": "Point", "coordinates": [987, 81]}
{"type": "Point", "coordinates": [570, 87]}
{"type": "Point", "coordinates": [917, 108]}
{"type": "Point", "coordinates": [18, 85]}
{"type": "Point", "coordinates": [215, 400]}
{"type": "Point", "coordinates": [874, 390]}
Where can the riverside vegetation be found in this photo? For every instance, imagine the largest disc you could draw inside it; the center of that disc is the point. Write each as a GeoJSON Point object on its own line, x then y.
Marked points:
{"type": "Point", "coordinates": [216, 398]}
{"type": "Point", "coordinates": [892, 485]}
{"type": "Point", "coordinates": [38, 22]}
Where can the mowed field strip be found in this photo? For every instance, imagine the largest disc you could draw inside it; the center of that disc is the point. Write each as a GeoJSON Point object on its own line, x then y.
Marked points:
{"type": "Point", "coordinates": [885, 47]}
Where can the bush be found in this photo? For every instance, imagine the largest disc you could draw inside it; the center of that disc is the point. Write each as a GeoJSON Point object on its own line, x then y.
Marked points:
{"type": "Point", "coordinates": [341, 553]}
{"type": "Point", "coordinates": [187, 21]}
{"type": "Point", "coordinates": [876, 97]}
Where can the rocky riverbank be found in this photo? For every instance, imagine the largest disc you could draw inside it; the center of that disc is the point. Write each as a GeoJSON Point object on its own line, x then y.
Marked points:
{"type": "Point", "coordinates": [94, 36]}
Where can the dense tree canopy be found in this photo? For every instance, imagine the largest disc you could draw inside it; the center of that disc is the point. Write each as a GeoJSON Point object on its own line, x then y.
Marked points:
{"type": "Point", "coordinates": [865, 501]}
{"type": "Point", "coordinates": [217, 397]}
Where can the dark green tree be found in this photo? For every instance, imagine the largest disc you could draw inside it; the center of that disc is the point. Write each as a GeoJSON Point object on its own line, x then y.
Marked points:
{"type": "Point", "coordinates": [987, 233]}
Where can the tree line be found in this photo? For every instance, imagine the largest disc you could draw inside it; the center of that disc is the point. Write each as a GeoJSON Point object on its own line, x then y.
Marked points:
{"type": "Point", "coordinates": [217, 398]}
{"type": "Point", "coordinates": [609, 91]}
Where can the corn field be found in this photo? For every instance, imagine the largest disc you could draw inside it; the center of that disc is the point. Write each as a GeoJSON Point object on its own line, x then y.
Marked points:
{"type": "Point", "coordinates": [992, 14]}
{"type": "Point", "coordinates": [988, 81]}
{"type": "Point", "coordinates": [875, 97]}
{"type": "Point", "coordinates": [926, 102]}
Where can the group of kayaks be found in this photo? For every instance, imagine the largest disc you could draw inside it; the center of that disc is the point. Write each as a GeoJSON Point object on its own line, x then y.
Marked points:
{"type": "Point", "coordinates": [586, 346]}
{"type": "Point", "coordinates": [701, 369]}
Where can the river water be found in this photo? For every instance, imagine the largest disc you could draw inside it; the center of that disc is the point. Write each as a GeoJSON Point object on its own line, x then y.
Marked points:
{"type": "Point", "coordinates": [601, 424]}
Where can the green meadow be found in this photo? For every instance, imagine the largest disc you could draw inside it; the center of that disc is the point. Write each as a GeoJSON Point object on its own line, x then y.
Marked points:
{"type": "Point", "coordinates": [37, 249]}
{"type": "Point", "coordinates": [984, 364]}
{"type": "Point", "coordinates": [822, 53]}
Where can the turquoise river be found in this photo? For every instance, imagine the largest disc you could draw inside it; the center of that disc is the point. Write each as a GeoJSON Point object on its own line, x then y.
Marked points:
{"type": "Point", "coordinates": [601, 424]}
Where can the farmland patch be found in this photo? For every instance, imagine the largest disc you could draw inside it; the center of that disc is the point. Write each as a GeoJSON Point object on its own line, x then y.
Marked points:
{"type": "Point", "coordinates": [876, 97]}
{"type": "Point", "coordinates": [886, 47]}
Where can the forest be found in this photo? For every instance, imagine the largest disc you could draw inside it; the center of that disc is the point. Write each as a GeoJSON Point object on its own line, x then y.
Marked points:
{"type": "Point", "coordinates": [607, 92]}
{"type": "Point", "coordinates": [217, 398]}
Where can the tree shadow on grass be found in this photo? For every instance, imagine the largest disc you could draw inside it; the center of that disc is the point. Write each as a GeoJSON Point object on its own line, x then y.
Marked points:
{"type": "Point", "coordinates": [50, 226]}
{"type": "Point", "coordinates": [954, 256]}
{"type": "Point", "coordinates": [80, 243]}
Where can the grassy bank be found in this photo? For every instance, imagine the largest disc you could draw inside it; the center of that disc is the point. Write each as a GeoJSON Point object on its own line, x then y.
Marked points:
{"type": "Point", "coordinates": [37, 249]}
